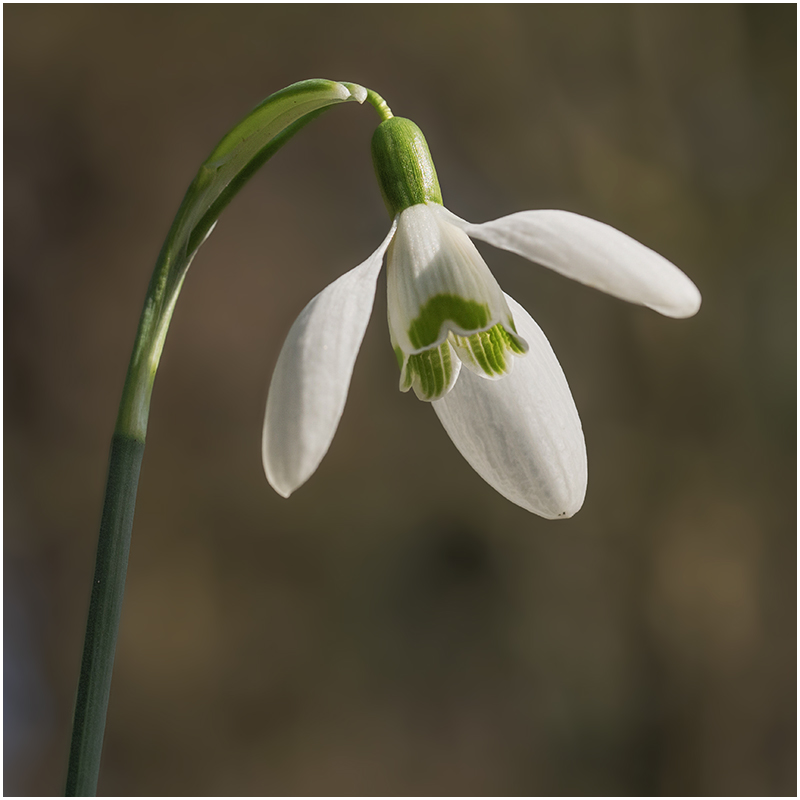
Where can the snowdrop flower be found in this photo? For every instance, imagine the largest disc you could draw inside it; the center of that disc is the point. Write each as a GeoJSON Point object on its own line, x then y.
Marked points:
{"type": "Point", "coordinates": [461, 343]}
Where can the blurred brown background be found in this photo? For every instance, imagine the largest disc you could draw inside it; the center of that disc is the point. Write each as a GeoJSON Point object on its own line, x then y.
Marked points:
{"type": "Point", "coordinates": [396, 627]}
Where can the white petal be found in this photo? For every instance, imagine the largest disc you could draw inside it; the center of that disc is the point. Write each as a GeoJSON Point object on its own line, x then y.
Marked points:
{"type": "Point", "coordinates": [595, 254]}
{"type": "Point", "coordinates": [522, 434]}
{"type": "Point", "coordinates": [438, 282]}
{"type": "Point", "coordinates": [311, 379]}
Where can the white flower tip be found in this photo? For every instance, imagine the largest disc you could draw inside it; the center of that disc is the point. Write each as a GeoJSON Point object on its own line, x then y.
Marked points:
{"type": "Point", "coordinates": [276, 476]}
{"type": "Point", "coordinates": [285, 493]}
{"type": "Point", "coordinates": [684, 303]}
{"type": "Point", "coordinates": [572, 507]}
{"type": "Point", "coordinates": [561, 496]}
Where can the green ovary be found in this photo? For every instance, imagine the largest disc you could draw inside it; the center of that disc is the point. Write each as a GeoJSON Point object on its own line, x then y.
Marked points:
{"type": "Point", "coordinates": [465, 314]}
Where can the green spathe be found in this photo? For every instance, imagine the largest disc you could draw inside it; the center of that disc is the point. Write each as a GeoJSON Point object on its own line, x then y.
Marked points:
{"type": "Point", "coordinates": [231, 164]}
{"type": "Point", "coordinates": [468, 315]}
{"type": "Point", "coordinates": [403, 166]}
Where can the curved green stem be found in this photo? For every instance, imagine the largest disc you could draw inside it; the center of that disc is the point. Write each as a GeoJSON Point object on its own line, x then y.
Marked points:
{"type": "Point", "coordinates": [232, 163]}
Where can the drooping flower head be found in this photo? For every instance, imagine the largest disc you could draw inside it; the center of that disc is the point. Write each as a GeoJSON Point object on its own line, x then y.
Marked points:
{"type": "Point", "coordinates": [510, 412]}
{"type": "Point", "coordinates": [445, 307]}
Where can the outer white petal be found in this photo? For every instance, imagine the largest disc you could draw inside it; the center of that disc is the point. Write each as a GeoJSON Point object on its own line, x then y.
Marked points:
{"type": "Point", "coordinates": [595, 254]}
{"type": "Point", "coordinates": [311, 379]}
{"type": "Point", "coordinates": [522, 434]}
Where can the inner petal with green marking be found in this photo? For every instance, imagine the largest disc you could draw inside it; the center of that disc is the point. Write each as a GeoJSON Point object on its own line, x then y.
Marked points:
{"type": "Point", "coordinates": [466, 315]}
{"type": "Point", "coordinates": [445, 306]}
{"type": "Point", "coordinates": [431, 373]}
{"type": "Point", "coordinates": [487, 352]}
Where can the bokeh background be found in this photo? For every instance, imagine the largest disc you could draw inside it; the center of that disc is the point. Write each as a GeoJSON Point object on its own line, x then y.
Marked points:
{"type": "Point", "coordinates": [396, 627]}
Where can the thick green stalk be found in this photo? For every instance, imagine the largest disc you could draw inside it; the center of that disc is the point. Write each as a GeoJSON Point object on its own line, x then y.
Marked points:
{"type": "Point", "coordinates": [235, 159]}
{"type": "Point", "coordinates": [104, 612]}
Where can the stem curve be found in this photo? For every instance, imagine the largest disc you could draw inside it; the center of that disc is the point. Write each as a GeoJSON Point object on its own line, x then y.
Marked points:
{"type": "Point", "coordinates": [237, 157]}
